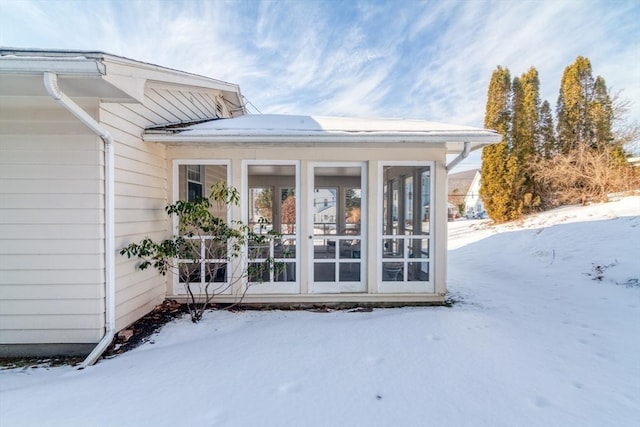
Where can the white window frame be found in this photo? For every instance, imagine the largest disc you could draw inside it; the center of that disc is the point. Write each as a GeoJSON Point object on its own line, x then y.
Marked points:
{"type": "Point", "coordinates": [405, 286]}
{"type": "Point", "coordinates": [178, 287]}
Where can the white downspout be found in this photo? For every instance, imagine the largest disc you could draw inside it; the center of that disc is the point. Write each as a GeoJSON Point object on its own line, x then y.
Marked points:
{"type": "Point", "coordinates": [465, 152]}
{"type": "Point", "coordinates": [51, 84]}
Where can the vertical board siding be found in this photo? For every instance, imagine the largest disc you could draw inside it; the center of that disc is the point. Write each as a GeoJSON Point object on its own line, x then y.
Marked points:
{"type": "Point", "coordinates": [51, 226]}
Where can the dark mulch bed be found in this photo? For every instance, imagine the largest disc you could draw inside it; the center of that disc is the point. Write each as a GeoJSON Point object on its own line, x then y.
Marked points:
{"type": "Point", "coordinates": [143, 329]}
{"type": "Point", "coordinates": [133, 336]}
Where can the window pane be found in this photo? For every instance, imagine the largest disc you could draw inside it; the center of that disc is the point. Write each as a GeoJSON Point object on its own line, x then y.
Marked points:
{"type": "Point", "coordinates": [392, 271]}
{"type": "Point", "coordinates": [408, 205]}
{"type": "Point", "coordinates": [353, 206]}
{"type": "Point", "coordinates": [189, 272]}
{"type": "Point", "coordinates": [393, 248]}
{"type": "Point", "coordinates": [324, 211]}
{"type": "Point", "coordinates": [350, 248]}
{"type": "Point", "coordinates": [215, 249]}
{"type": "Point", "coordinates": [288, 211]}
{"type": "Point", "coordinates": [258, 272]}
{"type": "Point", "coordinates": [285, 272]}
{"type": "Point", "coordinates": [272, 198]}
{"type": "Point", "coordinates": [324, 248]}
{"type": "Point", "coordinates": [258, 250]}
{"type": "Point", "coordinates": [215, 272]}
{"type": "Point", "coordinates": [350, 272]}
{"type": "Point", "coordinates": [285, 248]}
{"type": "Point", "coordinates": [419, 248]}
{"type": "Point", "coordinates": [418, 272]}
{"type": "Point", "coordinates": [196, 181]}
{"type": "Point", "coordinates": [261, 209]}
{"type": "Point", "coordinates": [425, 202]}
{"type": "Point", "coordinates": [406, 217]}
{"type": "Point", "coordinates": [324, 272]}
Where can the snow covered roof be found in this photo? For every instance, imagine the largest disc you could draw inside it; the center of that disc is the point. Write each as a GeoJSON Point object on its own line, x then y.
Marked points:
{"type": "Point", "coordinates": [297, 128]}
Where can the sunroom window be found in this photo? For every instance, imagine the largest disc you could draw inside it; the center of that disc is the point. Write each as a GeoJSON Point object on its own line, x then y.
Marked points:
{"type": "Point", "coordinates": [210, 265]}
{"type": "Point", "coordinates": [406, 228]}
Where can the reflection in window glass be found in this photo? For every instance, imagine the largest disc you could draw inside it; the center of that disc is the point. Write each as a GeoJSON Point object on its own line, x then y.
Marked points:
{"type": "Point", "coordinates": [288, 210]}
{"type": "Point", "coordinates": [325, 203]}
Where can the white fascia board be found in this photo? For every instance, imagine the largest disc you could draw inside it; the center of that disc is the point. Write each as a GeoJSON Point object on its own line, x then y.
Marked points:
{"type": "Point", "coordinates": [62, 66]}
{"type": "Point", "coordinates": [476, 139]}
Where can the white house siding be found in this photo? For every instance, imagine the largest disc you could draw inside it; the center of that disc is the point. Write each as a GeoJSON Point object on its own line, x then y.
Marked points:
{"type": "Point", "coordinates": [373, 154]}
{"type": "Point", "coordinates": [141, 188]}
{"type": "Point", "coordinates": [51, 225]}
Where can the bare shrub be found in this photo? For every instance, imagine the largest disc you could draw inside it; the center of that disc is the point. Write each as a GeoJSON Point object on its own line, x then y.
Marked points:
{"type": "Point", "coordinates": [584, 175]}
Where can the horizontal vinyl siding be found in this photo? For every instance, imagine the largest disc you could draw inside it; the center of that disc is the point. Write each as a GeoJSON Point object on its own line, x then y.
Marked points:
{"type": "Point", "coordinates": [51, 226]}
{"type": "Point", "coordinates": [50, 334]}
{"type": "Point", "coordinates": [140, 197]}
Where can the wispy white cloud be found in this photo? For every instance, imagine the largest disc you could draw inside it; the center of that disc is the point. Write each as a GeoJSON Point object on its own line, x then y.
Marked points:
{"type": "Point", "coordinates": [417, 59]}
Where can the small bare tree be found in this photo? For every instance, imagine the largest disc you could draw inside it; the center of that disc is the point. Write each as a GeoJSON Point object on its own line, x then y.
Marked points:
{"type": "Point", "coordinates": [203, 251]}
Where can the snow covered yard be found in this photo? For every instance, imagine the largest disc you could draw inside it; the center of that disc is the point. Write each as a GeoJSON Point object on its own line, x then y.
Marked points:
{"type": "Point", "coordinates": [545, 331]}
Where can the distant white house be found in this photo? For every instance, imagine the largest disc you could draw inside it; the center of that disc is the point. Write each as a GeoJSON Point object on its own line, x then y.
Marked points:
{"type": "Point", "coordinates": [464, 192]}
{"type": "Point", "coordinates": [93, 147]}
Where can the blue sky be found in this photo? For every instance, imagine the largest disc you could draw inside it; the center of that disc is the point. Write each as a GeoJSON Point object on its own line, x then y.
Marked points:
{"type": "Point", "coordinates": [428, 60]}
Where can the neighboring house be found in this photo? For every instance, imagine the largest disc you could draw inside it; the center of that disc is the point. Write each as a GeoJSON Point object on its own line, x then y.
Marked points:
{"type": "Point", "coordinates": [464, 190]}
{"type": "Point", "coordinates": [93, 146]}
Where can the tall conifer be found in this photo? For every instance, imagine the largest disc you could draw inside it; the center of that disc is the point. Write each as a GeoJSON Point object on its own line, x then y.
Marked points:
{"type": "Point", "coordinates": [498, 166]}
{"type": "Point", "coordinates": [601, 114]}
{"type": "Point", "coordinates": [547, 145]}
{"type": "Point", "coordinates": [574, 102]}
{"type": "Point", "coordinates": [525, 135]}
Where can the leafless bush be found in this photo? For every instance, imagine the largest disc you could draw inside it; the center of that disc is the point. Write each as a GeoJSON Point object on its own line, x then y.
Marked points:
{"type": "Point", "coordinates": [584, 175]}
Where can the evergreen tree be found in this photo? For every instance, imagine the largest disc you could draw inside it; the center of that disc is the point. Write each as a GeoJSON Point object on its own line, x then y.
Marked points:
{"type": "Point", "coordinates": [539, 164]}
{"type": "Point", "coordinates": [499, 172]}
{"type": "Point", "coordinates": [601, 114]}
{"type": "Point", "coordinates": [526, 106]}
{"type": "Point", "coordinates": [546, 132]}
{"type": "Point", "coordinates": [574, 103]}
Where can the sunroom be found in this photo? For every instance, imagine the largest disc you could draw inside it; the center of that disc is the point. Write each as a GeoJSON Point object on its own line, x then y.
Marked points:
{"type": "Point", "coordinates": [360, 204]}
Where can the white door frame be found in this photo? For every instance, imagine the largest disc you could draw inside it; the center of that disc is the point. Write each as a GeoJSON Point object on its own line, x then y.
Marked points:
{"type": "Point", "coordinates": [337, 286]}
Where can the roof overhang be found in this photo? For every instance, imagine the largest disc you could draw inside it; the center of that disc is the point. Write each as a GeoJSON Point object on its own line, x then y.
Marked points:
{"type": "Point", "coordinates": [109, 77]}
{"type": "Point", "coordinates": [284, 129]}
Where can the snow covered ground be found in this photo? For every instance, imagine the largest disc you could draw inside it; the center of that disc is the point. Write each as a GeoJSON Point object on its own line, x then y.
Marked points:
{"type": "Point", "coordinates": [535, 339]}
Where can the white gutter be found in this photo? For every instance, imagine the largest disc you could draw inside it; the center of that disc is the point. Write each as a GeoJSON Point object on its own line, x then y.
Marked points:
{"type": "Point", "coordinates": [77, 66]}
{"type": "Point", "coordinates": [481, 138]}
{"type": "Point", "coordinates": [463, 155]}
{"type": "Point", "coordinates": [51, 84]}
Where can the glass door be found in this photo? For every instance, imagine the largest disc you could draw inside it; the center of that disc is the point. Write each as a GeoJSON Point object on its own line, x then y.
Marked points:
{"type": "Point", "coordinates": [338, 228]}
